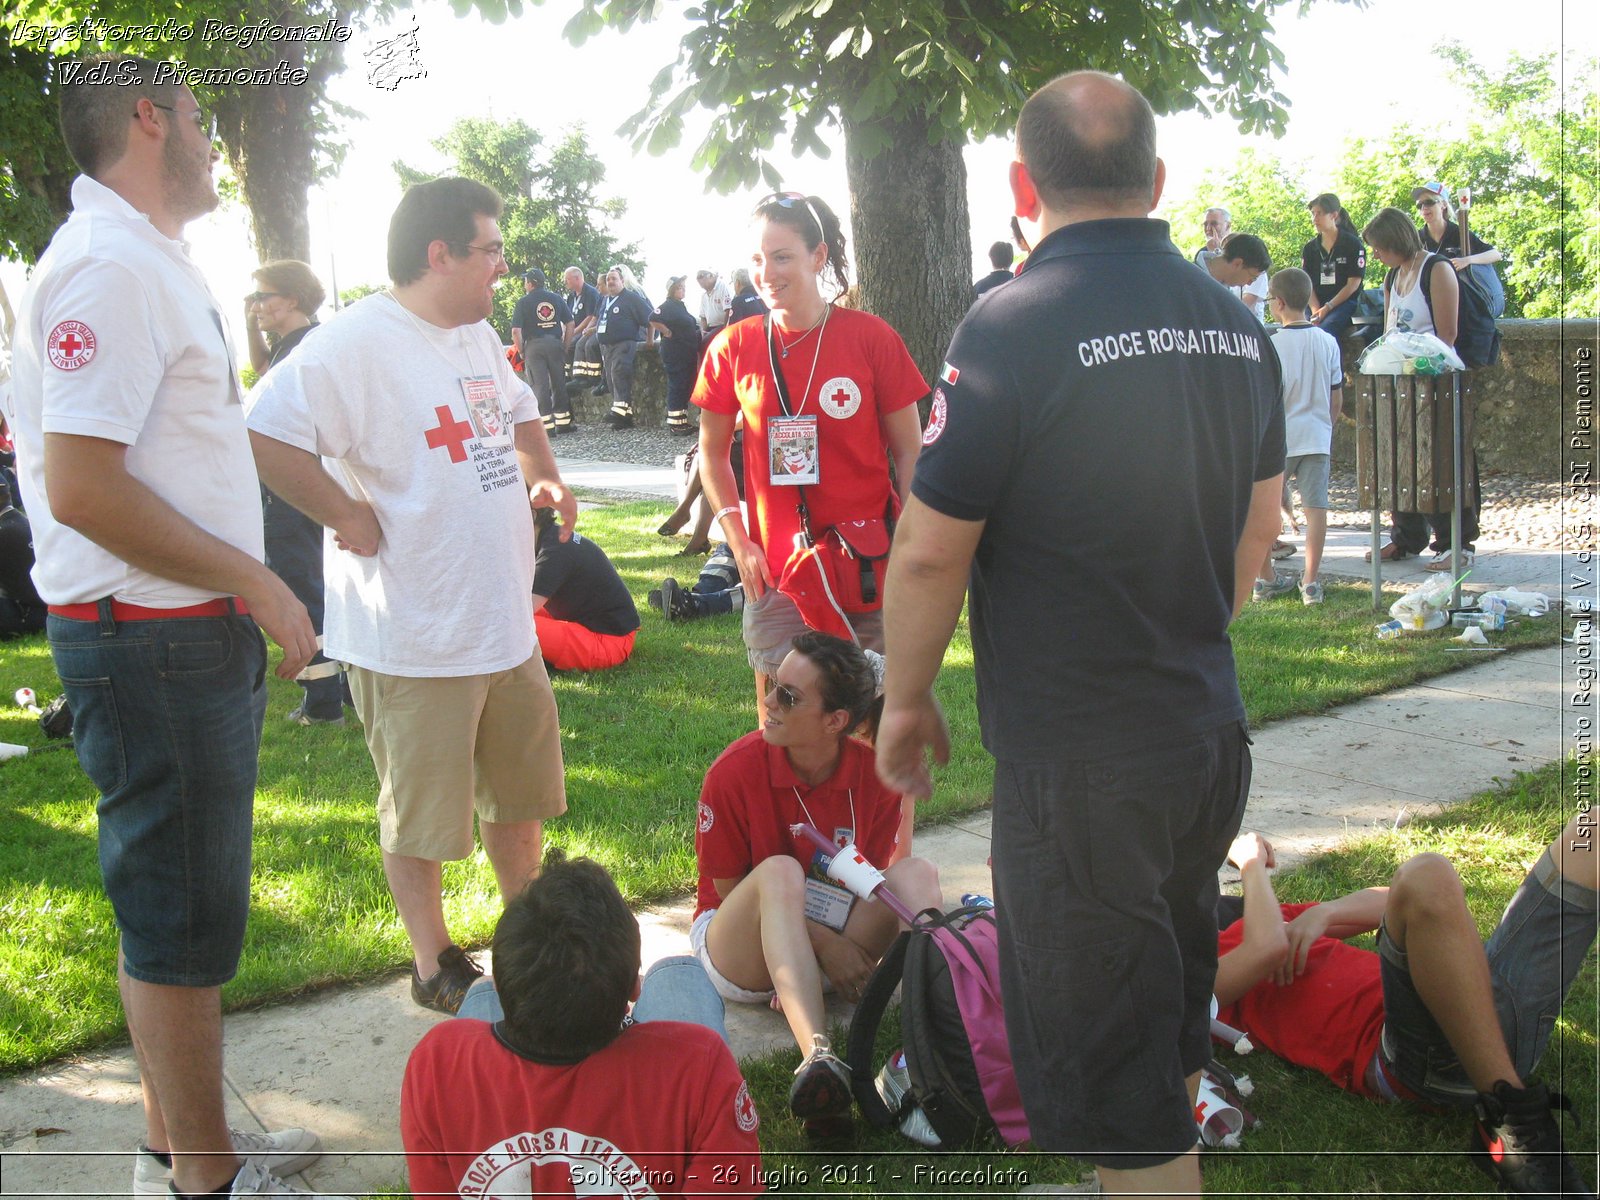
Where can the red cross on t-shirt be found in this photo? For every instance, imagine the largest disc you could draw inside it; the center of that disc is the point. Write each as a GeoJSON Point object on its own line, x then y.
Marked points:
{"type": "Point", "coordinates": [450, 433]}
{"type": "Point", "coordinates": [70, 345]}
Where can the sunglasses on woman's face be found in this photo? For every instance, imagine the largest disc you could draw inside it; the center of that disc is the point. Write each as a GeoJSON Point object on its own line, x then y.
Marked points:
{"type": "Point", "coordinates": [786, 698]}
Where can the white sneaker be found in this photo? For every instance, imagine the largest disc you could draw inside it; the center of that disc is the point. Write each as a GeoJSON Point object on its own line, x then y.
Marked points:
{"type": "Point", "coordinates": [284, 1153]}
{"type": "Point", "coordinates": [255, 1180]}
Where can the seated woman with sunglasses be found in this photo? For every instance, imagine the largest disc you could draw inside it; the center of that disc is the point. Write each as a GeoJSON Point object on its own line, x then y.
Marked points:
{"type": "Point", "coordinates": [838, 388]}
{"type": "Point", "coordinates": [768, 927]}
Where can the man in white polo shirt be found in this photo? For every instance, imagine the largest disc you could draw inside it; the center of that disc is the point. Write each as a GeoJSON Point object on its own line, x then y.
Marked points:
{"type": "Point", "coordinates": [409, 392]}
{"type": "Point", "coordinates": [146, 514]}
{"type": "Point", "coordinates": [714, 304]}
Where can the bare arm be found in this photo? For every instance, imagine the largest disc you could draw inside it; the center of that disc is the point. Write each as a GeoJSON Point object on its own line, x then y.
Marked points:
{"type": "Point", "coordinates": [1444, 298]}
{"type": "Point", "coordinates": [927, 582]}
{"type": "Point", "coordinates": [92, 492]}
{"type": "Point", "coordinates": [539, 471]}
{"type": "Point", "coordinates": [255, 340]}
{"type": "Point", "coordinates": [516, 338]}
{"type": "Point", "coordinates": [1482, 258]}
{"type": "Point", "coordinates": [722, 492]}
{"type": "Point", "coordinates": [1351, 286]}
{"type": "Point", "coordinates": [1349, 915]}
{"type": "Point", "coordinates": [1261, 527]}
{"type": "Point", "coordinates": [298, 476]}
{"type": "Point", "coordinates": [1335, 402]}
{"type": "Point", "coordinates": [1265, 945]}
{"type": "Point", "coordinates": [903, 431]}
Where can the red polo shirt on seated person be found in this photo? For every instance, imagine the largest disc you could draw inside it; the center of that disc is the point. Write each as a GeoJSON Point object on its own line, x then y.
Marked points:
{"type": "Point", "coordinates": [751, 797]}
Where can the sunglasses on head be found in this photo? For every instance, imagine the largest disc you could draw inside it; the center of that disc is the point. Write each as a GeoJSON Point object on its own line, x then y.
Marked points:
{"type": "Point", "coordinates": [792, 200]}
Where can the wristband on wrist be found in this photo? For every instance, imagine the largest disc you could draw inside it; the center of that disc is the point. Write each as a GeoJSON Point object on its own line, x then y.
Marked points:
{"type": "Point", "coordinates": [722, 512]}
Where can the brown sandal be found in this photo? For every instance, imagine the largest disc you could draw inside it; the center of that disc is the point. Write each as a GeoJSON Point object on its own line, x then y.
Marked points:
{"type": "Point", "coordinates": [1389, 553]}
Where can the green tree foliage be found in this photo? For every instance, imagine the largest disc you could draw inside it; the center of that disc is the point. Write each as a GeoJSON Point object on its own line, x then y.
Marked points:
{"type": "Point", "coordinates": [906, 83]}
{"type": "Point", "coordinates": [278, 135]}
{"type": "Point", "coordinates": [1263, 196]}
{"type": "Point", "coordinates": [1530, 156]}
{"type": "Point", "coordinates": [554, 214]}
{"type": "Point", "coordinates": [35, 169]}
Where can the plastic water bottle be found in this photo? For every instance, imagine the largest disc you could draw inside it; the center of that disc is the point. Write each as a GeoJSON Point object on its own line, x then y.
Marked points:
{"type": "Point", "coordinates": [1389, 629]}
{"type": "Point", "coordinates": [12, 750]}
{"type": "Point", "coordinates": [893, 1082]}
{"type": "Point", "coordinates": [975, 900]}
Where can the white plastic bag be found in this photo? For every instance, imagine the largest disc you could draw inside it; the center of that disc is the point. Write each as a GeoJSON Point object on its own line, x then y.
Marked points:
{"type": "Point", "coordinates": [1425, 607]}
{"type": "Point", "coordinates": [1402, 353]}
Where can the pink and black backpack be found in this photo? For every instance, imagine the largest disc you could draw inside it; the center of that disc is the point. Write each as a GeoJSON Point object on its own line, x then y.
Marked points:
{"type": "Point", "coordinates": [954, 1032]}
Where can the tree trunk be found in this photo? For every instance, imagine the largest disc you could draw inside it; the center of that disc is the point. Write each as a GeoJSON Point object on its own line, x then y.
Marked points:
{"type": "Point", "coordinates": [270, 131]}
{"type": "Point", "coordinates": [913, 238]}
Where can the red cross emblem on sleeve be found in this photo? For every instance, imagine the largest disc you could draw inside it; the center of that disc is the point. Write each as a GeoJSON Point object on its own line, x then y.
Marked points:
{"type": "Point", "coordinates": [70, 346]}
{"type": "Point", "coordinates": [452, 434]}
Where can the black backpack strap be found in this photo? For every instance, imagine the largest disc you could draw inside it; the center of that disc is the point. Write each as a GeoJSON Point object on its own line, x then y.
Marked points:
{"type": "Point", "coordinates": [864, 1024]}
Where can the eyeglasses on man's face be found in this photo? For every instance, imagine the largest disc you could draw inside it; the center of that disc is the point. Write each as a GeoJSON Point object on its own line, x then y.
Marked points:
{"type": "Point", "coordinates": [206, 126]}
{"type": "Point", "coordinates": [495, 251]}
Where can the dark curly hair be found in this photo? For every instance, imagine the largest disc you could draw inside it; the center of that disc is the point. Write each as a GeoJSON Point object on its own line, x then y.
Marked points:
{"type": "Point", "coordinates": [848, 680]}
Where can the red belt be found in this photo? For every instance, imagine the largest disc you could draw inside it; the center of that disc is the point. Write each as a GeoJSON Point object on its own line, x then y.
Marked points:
{"type": "Point", "coordinates": [121, 610]}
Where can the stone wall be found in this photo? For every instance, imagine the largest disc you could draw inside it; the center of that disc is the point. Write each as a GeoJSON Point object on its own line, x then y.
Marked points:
{"type": "Point", "coordinates": [1519, 403]}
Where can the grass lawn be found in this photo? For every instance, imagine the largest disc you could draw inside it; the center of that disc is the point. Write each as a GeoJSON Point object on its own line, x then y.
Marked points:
{"type": "Point", "coordinates": [637, 741]}
{"type": "Point", "coordinates": [1314, 1138]}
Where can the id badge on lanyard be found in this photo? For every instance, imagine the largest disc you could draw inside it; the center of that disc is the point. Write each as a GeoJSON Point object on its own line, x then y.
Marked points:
{"type": "Point", "coordinates": [792, 458]}
{"type": "Point", "coordinates": [828, 903]}
{"type": "Point", "coordinates": [1330, 271]}
{"type": "Point", "coordinates": [489, 421]}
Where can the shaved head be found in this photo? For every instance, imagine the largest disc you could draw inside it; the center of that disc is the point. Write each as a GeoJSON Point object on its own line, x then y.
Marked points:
{"type": "Point", "coordinates": [1088, 138]}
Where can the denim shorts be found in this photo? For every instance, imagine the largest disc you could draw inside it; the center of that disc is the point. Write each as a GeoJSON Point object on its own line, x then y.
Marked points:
{"type": "Point", "coordinates": [1106, 893]}
{"type": "Point", "coordinates": [1534, 955]}
{"type": "Point", "coordinates": [166, 719]}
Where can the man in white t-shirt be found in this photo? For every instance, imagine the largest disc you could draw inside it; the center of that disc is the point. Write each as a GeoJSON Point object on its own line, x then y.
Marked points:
{"type": "Point", "coordinates": [135, 465]}
{"type": "Point", "coordinates": [1313, 393]}
{"type": "Point", "coordinates": [409, 394]}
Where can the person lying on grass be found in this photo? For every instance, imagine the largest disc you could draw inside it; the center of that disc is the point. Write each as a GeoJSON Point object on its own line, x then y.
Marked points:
{"type": "Point", "coordinates": [1435, 1015]}
{"type": "Point", "coordinates": [768, 926]}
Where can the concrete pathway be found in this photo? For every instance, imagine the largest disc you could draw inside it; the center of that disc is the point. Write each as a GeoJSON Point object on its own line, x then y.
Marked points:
{"type": "Point", "coordinates": [334, 1062]}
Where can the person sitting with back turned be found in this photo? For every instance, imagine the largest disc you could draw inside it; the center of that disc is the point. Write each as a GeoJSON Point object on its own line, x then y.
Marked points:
{"type": "Point", "coordinates": [766, 923]}
{"type": "Point", "coordinates": [554, 1089]}
{"type": "Point", "coordinates": [1434, 1015]}
{"type": "Point", "coordinates": [582, 611]}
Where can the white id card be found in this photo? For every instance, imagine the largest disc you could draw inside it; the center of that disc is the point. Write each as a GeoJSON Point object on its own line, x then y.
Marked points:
{"type": "Point", "coordinates": [488, 419]}
{"type": "Point", "coordinates": [828, 904]}
{"type": "Point", "coordinates": [792, 450]}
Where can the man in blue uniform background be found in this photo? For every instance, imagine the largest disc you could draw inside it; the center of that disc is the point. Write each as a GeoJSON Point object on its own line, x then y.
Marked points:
{"type": "Point", "coordinates": [1105, 456]}
{"type": "Point", "coordinates": [540, 326]}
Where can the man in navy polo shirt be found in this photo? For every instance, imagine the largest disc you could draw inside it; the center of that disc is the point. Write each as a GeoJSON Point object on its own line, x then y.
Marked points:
{"type": "Point", "coordinates": [1121, 474]}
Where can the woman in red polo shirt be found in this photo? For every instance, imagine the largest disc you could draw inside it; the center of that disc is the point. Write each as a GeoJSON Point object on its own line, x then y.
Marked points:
{"type": "Point", "coordinates": [768, 925]}
{"type": "Point", "coordinates": [817, 445]}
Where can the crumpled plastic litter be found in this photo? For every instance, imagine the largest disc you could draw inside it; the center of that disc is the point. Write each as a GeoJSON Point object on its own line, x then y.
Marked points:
{"type": "Point", "coordinates": [1520, 603]}
{"type": "Point", "coordinates": [1472, 635]}
{"type": "Point", "coordinates": [1425, 607]}
{"type": "Point", "coordinates": [1403, 353]}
